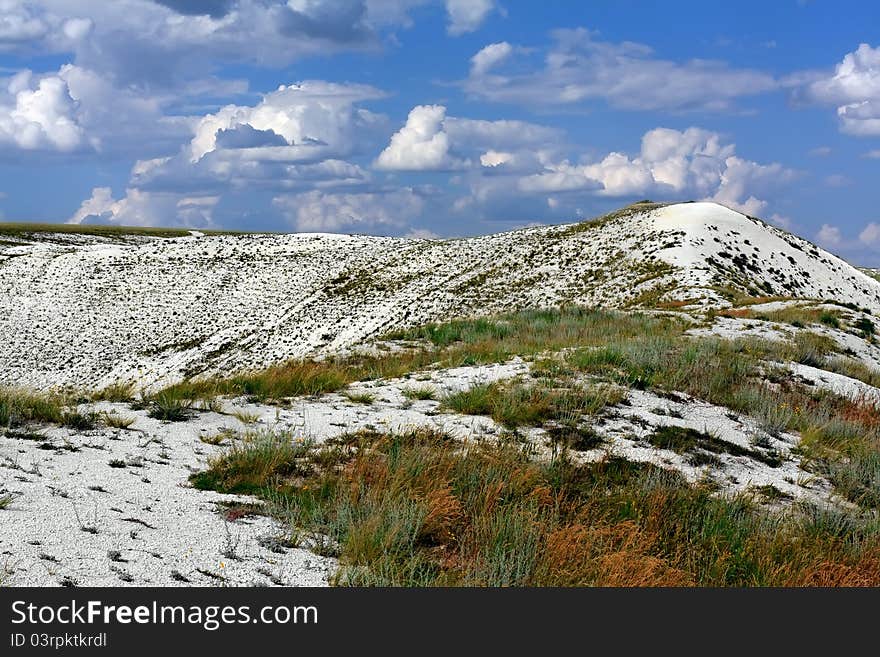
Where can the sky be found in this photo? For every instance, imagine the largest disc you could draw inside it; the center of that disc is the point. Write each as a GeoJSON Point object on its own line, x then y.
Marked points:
{"type": "Point", "coordinates": [439, 117]}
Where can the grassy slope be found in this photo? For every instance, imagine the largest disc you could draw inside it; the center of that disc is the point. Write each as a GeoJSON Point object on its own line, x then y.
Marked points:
{"type": "Point", "coordinates": [22, 230]}
{"type": "Point", "coordinates": [421, 509]}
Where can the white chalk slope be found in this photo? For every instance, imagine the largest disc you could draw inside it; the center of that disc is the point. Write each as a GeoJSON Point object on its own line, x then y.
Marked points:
{"type": "Point", "coordinates": [91, 311]}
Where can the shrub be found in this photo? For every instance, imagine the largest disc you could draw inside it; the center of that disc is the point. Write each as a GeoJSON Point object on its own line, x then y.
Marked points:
{"type": "Point", "coordinates": [170, 407]}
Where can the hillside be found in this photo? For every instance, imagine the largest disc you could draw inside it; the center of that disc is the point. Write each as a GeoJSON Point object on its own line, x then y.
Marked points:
{"type": "Point", "coordinates": [91, 310]}
{"type": "Point", "coordinates": [668, 395]}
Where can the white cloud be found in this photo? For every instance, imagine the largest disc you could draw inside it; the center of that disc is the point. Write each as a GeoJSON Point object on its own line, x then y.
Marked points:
{"type": "Point", "coordinates": [821, 151]}
{"type": "Point", "coordinates": [161, 45]}
{"type": "Point", "coordinates": [467, 15]}
{"type": "Point", "coordinates": [39, 114]}
{"type": "Point", "coordinates": [578, 68]}
{"type": "Point", "coordinates": [854, 88]}
{"type": "Point", "coordinates": [490, 56]}
{"type": "Point", "coordinates": [78, 109]}
{"type": "Point", "coordinates": [19, 23]}
{"type": "Point", "coordinates": [420, 145]}
{"type": "Point", "coordinates": [782, 221]}
{"type": "Point", "coordinates": [432, 141]}
{"type": "Point", "coordinates": [741, 179]}
{"type": "Point", "coordinates": [296, 137]}
{"type": "Point", "coordinates": [829, 236]}
{"type": "Point", "coordinates": [837, 180]}
{"type": "Point", "coordinates": [140, 208]}
{"type": "Point", "coordinates": [493, 158]}
{"type": "Point", "coordinates": [421, 234]}
{"type": "Point", "coordinates": [316, 119]}
{"type": "Point", "coordinates": [873, 155]}
{"type": "Point", "coordinates": [99, 204]}
{"type": "Point", "coordinates": [692, 162]}
{"type": "Point", "coordinates": [316, 211]}
{"type": "Point", "coordinates": [870, 235]}
{"type": "Point", "coordinates": [474, 134]}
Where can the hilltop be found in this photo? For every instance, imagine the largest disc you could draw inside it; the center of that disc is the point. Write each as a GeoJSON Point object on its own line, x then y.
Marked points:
{"type": "Point", "coordinates": [153, 311]}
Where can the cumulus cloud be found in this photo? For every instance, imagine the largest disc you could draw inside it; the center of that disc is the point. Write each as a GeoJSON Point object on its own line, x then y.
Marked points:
{"type": "Point", "coordinates": [316, 211]}
{"type": "Point", "coordinates": [854, 87]}
{"type": "Point", "coordinates": [579, 68]}
{"type": "Point", "coordinates": [20, 23]}
{"type": "Point", "coordinates": [829, 236]}
{"type": "Point", "coordinates": [140, 208]}
{"type": "Point", "coordinates": [432, 141]}
{"type": "Point", "coordinates": [296, 137]}
{"type": "Point", "coordinates": [99, 204]}
{"type": "Point", "coordinates": [492, 158]}
{"type": "Point", "coordinates": [490, 56]}
{"type": "Point", "coordinates": [77, 109]}
{"type": "Point", "coordinates": [420, 145]}
{"type": "Point", "coordinates": [467, 15]}
{"type": "Point", "coordinates": [870, 235]}
{"type": "Point", "coordinates": [165, 43]}
{"type": "Point", "coordinates": [315, 119]}
{"type": "Point", "coordinates": [693, 162]}
{"type": "Point", "coordinates": [39, 113]}
{"type": "Point", "coordinates": [292, 142]}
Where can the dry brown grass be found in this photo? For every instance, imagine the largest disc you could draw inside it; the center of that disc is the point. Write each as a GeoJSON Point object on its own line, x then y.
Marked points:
{"type": "Point", "coordinates": [419, 509]}
{"type": "Point", "coordinates": [606, 555]}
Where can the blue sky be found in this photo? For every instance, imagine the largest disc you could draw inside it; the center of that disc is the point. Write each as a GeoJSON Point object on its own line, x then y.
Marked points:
{"type": "Point", "coordinates": [444, 117]}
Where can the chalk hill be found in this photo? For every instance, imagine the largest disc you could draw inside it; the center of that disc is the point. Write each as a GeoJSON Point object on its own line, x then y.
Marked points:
{"type": "Point", "coordinates": [87, 311]}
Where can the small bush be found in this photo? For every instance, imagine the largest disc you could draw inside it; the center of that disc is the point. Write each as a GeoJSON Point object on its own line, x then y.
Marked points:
{"type": "Point", "coordinates": [245, 417]}
{"type": "Point", "coordinates": [865, 325]}
{"type": "Point", "coordinates": [19, 407]}
{"type": "Point", "coordinates": [170, 407]}
{"type": "Point", "coordinates": [117, 421]}
{"type": "Point", "coordinates": [420, 392]}
{"type": "Point", "coordinates": [116, 392]}
{"type": "Point", "coordinates": [811, 348]}
{"type": "Point", "coordinates": [79, 421]}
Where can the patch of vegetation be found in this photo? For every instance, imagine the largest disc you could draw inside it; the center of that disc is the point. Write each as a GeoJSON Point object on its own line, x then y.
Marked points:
{"type": "Point", "coordinates": [170, 407]}
{"type": "Point", "coordinates": [419, 509]}
{"type": "Point", "coordinates": [770, 493]}
{"type": "Point", "coordinates": [20, 407]}
{"type": "Point", "coordinates": [515, 405]}
{"type": "Point", "coordinates": [460, 342]}
{"type": "Point", "coordinates": [117, 421]}
{"type": "Point", "coordinates": [577, 437]}
{"type": "Point", "coordinates": [628, 211]}
{"type": "Point", "coordinates": [116, 392]}
{"type": "Point", "coordinates": [24, 230]}
{"type": "Point", "coordinates": [857, 478]}
{"type": "Point", "coordinates": [865, 326]}
{"type": "Point", "coordinates": [465, 330]}
{"type": "Point", "coordinates": [251, 465]}
{"type": "Point", "coordinates": [80, 421]}
{"type": "Point", "coordinates": [245, 417]}
{"type": "Point", "coordinates": [419, 392]}
{"type": "Point", "coordinates": [360, 397]}
{"type": "Point", "coordinates": [684, 439]}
